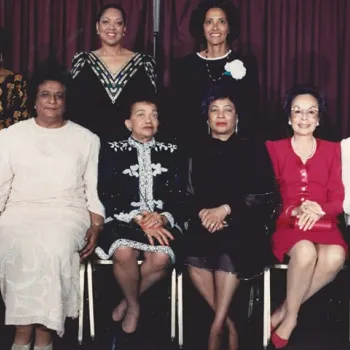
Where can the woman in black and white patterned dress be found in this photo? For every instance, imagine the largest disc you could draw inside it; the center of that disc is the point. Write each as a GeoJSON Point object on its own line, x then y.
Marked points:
{"type": "Point", "coordinates": [142, 188]}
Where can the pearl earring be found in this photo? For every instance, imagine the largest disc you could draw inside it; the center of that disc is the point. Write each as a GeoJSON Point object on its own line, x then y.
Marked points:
{"type": "Point", "coordinates": [236, 131]}
{"type": "Point", "coordinates": [289, 122]}
{"type": "Point", "coordinates": [209, 130]}
{"type": "Point", "coordinates": [97, 32]}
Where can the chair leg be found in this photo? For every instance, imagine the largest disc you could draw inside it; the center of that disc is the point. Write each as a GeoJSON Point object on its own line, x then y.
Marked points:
{"type": "Point", "coordinates": [91, 300]}
{"type": "Point", "coordinates": [267, 307]}
{"type": "Point", "coordinates": [180, 310]}
{"type": "Point", "coordinates": [81, 303]}
{"type": "Point", "coordinates": [173, 304]}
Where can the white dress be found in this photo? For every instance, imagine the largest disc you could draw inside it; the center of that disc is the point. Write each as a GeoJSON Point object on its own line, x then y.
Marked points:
{"type": "Point", "coordinates": [48, 182]}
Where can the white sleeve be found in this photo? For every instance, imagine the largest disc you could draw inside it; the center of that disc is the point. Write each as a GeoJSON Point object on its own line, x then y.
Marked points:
{"type": "Point", "coordinates": [345, 157]}
{"type": "Point", "coordinates": [91, 177]}
{"type": "Point", "coordinates": [6, 173]}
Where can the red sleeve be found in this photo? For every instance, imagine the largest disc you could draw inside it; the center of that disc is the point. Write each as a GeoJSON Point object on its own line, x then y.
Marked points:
{"type": "Point", "coordinates": [336, 193]}
{"type": "Point", "coordinates": [271, 147]}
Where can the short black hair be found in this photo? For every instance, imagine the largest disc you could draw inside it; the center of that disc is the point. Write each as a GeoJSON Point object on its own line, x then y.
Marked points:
{"type": "Point", "coordinates": [198, 17]}
{"type": "Point", "coordinates": [111, 6]}
{"type": "Point", "coordinates": [220, 91]}
{"type": "Point", "coordinates": [50, 70]}
{"type": "Point", "coordinates": [305, 89]}
{"type": "Point", "coordinates": [146, 98]}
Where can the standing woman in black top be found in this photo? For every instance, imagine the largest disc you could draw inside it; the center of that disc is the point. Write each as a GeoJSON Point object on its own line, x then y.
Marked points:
{"type": "Point", "coordinates": [107, 80]}
{"type": "Point", "coordinates": [215, 26]}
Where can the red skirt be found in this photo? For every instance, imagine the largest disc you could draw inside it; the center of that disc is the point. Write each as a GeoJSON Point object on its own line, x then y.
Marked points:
{"type": "Point", "coordinates": [284, 239]}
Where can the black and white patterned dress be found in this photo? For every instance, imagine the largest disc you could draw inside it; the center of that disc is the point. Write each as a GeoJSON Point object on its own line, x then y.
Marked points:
{"type": "Point", "coordinates": [100, 100]}
{"type": "Point", "coordinates": [136, 177]}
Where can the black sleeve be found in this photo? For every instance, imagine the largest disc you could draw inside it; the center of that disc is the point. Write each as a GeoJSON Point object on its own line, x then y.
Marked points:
{"type": "Point", "coordinates": [174, 202]}
{"type": "Point", "coordinates": [108, 182]}
{"type": "Point", "coordinates": [251, 95]}
{"type": "Point", "coordinates": [262, 197]}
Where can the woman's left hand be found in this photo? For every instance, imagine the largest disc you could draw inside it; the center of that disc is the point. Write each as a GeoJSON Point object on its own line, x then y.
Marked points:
{"type": "Point", "coordinates": [151, 220]}
{"type": "Point", "coordinates": [91, 240]}
{"type": "Point", "coordinates": [213, 219]}
{"type": "Point", "coordinates": [312, 207]}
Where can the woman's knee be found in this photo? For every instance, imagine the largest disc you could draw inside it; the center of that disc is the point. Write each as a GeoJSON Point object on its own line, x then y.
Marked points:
{"type": "Point", "coordinates": [303, 254]}
{"type": "Point", "coordinates": [125, 255]}
{"type": "Point", "coordinates": [27, 329]}
{"type": "Point", "coordinates": [331, 258]}
{"type": "Point", "coordinates": [160, 260]}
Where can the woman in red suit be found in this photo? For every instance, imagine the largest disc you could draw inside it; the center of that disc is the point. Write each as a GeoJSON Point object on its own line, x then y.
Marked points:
{"type": "Point", "coordinates": [308, 171]}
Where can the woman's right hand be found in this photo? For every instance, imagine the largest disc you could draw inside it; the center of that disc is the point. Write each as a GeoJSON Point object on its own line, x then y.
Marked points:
{"type": "Point", "coordinates": [213, 219]}
{"type": "Point", "coordinates": [161, 234]}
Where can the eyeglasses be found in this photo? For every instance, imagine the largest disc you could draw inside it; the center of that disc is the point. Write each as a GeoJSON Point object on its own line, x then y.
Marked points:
{"type": "Point", "coordinates": [310, 113]}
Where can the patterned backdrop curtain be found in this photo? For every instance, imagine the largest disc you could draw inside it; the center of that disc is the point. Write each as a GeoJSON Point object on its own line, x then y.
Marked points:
{"type": "Point", "coordinates": [295, 41]}
{"type": "Point", "coordinates": [42, 28]}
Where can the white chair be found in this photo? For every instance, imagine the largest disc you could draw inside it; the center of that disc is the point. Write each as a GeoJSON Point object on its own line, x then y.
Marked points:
{"type": "Point", "coordinates": [267, 303]}
{"type": "Point", "coordinates": [176, 300]}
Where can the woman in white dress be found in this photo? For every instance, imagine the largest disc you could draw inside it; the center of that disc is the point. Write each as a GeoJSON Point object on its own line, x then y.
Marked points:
{"type": "Point", "coordinates": [49, 212]}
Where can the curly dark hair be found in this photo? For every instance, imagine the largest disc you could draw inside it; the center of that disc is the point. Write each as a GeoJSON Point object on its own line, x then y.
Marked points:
{"type": "Point", "coordinates": [198, 17]}
{"type": "Point", "coordinates": [50, 70]}
{"type": "Point", "coordinates": [111, 6]}
{"type": "Point", "coordinates": [305, 89]}
{"type": "Point", "coordinates": [220, 91]}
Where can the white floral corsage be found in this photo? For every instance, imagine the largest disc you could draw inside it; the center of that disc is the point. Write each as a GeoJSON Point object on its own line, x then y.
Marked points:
{"type": "Point", "coordinates": [236, 69]}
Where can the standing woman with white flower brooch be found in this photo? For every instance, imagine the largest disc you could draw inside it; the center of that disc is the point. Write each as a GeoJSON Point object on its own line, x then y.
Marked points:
{"type": "Point", "coordinates": [214, 25]}
{"type": "Point", "coordinates": [232, 198]}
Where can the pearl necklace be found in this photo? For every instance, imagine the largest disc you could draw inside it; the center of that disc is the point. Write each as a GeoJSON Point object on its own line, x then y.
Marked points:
{"type": "Point", "coordinates": [214, 80]}
{"type": "Point", "coordinates": [313, 150]}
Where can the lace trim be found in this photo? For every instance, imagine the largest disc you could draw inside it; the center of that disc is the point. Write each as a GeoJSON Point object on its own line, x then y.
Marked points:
{"type": "Point", "coordinates": [170, 218]}
{"type": "Point", "coordinates": [22, 321]}
{"type": "Point", "coordinates": [127, 217]}
{"type": "Point", "coordinates": [135, 245]}
{"type": "Point", "coordinates": [231, 273]}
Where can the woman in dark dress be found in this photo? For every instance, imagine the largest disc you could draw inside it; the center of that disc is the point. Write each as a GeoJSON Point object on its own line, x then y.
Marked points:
{"type": "Point", "coordinates": [105, 80]}
{"type": "Point", "coordinates": [214, 25]}
{"type": "Point", "coordinates": [141, 186]}
{"type": "Point", "coordinates": [233, 198]}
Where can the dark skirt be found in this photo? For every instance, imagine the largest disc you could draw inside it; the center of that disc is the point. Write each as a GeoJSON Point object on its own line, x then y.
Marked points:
{"type": "Point", "coordinates": [118, 234]}
{"type": "Point", "coordinates": [242, 249]}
